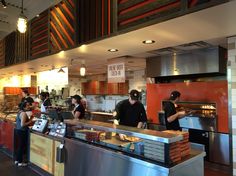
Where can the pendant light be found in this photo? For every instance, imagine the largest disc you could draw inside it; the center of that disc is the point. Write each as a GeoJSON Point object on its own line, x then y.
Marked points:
{"type": "Point", "coordinates": [82, 70]}
{"type": "Point", "coordinates": [22, 20]}
{"type": "Point", "coordinates": [61, 70]}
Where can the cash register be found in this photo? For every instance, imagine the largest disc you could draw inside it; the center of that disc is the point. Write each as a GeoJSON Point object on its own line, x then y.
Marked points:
{"type": "Point", "coordinates": [54, 126]}
{"type": "Point", "coordinates": [40, 125]}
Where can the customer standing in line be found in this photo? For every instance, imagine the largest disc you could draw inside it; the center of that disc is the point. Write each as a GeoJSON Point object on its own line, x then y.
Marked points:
{"type": "Point", "coordinates": [171, 115]}
{"type": "Point", "coordinates": [22, 133]}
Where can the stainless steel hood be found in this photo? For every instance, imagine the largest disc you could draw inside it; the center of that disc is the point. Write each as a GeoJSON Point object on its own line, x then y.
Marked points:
{"type": "Point", "coordinates": [211, 60]}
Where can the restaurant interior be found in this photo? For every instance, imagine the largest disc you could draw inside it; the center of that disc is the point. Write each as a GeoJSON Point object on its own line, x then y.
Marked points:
{"type": "Point", "coordinates": [68, 48]}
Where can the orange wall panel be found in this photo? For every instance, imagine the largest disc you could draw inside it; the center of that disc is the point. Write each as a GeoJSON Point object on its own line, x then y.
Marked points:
{"type": "Point", "coordinates": [214, 91]}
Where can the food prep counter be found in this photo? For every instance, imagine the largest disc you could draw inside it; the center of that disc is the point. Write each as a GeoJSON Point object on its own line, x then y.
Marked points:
{"type": "Point", "coordinates": [43, 154]}
{"type": "Point", "coordinates": [105, 157]}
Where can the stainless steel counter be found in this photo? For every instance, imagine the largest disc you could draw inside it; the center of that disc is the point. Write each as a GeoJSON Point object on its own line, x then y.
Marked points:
{"type": "Point", "coordinates": [90, 160]}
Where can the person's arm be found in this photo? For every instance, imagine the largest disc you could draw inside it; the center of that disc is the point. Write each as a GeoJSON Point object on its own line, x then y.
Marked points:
{"type": "Point", "coordinates": [143, 118]}
{"type": "Point", "coordinates": [140, 124]}
{"type": "Point", "coordinates": [24, 119]}
{"type": "Point", "coordinates": [77, 114]}
{"type": "Point", "coordinates": [175, 116]}
{"type": "Point", "coordinates": [78, 111]}
{"type": "Point", "coordinates": [118, 110]}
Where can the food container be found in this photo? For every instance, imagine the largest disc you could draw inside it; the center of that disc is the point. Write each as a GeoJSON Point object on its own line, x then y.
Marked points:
{"type": "Point", "coordinates": [139, 147]}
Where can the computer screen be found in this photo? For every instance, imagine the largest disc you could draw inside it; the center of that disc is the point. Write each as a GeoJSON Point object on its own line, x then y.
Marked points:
{"type": "Point", "coordinates": [67, 115]}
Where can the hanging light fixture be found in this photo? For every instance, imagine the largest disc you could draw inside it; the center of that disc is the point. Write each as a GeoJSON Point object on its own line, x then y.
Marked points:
{"type": "Point", "coordinates": [61, 71]}
{"type": "Point", "coordinates": [22, 20]}
{"type": "Point", "coordinates": [4, 4]}
{"type": "Point", "coordinates": [82, 70]}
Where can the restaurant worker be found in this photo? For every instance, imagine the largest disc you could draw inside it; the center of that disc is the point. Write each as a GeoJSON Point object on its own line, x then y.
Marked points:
{"type": "Point", "coordinates": [78, 110]}
{"type": "Point", "coordinates": [26, 97]}
{"type": "Point", "coordinates": [131, 112]}
{"type": "Point", "coordinates": [171, 116]}
{"type": "Point", "coordinates": [45, 101]}
{"type": "Point", "coordinates": [21, 133]}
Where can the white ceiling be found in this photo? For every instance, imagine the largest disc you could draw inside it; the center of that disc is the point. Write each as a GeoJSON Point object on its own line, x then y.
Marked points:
{"type": "Point", "coordinates": [9, 15]}
{"type": "Point", "coordinates": [207, 25]}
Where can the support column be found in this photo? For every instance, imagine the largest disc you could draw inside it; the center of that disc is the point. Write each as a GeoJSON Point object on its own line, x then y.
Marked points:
{"type": "Point", "coordinates": [231, 77]}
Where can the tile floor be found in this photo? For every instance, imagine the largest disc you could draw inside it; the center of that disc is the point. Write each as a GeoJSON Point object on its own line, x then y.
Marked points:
{"type": "Point", "coordinates": [7, 168]}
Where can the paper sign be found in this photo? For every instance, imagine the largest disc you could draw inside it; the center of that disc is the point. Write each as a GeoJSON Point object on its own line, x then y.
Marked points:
{"type": "Point", "coordinates": [116, 72]}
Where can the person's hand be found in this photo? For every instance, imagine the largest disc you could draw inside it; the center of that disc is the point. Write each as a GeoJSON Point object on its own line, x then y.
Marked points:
{"type": "Point", "coordinates": [31, 118]}
{"type": "Point", "coordinates": [122, 137]}
{"type": "Point", "coordinates": [115, 123]}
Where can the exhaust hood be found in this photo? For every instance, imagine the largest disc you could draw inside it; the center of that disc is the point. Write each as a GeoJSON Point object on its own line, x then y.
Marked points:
{"type": "Point", "coordinates": [211, 60]}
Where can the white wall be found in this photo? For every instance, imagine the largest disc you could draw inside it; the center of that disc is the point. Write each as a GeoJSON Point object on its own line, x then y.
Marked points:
{"type": "Point", "coordinates": [53, 80]}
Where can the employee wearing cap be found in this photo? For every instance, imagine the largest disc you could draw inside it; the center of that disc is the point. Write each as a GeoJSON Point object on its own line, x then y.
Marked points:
{"type": "Point", "coordinates": [171, 116]}
{"type": "Point", "coordinates": [131, 112]}
{"type": "Point", "coordinates": [79, 110]}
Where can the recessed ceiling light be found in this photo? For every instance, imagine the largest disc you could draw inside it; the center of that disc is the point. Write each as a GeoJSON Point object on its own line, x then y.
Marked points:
{"type": "Point", "coordinates": [37, 15]}
{"type": "Point", "coordinates": [113, 50]}
{"type": "Point", "coordinates": [148, 41]}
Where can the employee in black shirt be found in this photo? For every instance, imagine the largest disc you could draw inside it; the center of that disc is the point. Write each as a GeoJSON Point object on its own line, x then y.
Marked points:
{"type": "Point", "coordinates": [26, 97]}
{"type": "Point", "coordinates": [44, 96]}
{"type": "Point", "coordinates": [79, 110]}
{"type": "Point", "coordinates": [171, 116]}
{"type": "Point", "coordinates": [131, 112]}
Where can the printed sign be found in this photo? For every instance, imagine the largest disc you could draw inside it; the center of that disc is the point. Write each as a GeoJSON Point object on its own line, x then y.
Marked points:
{"type": "Point", "coordinates": [116, 72]}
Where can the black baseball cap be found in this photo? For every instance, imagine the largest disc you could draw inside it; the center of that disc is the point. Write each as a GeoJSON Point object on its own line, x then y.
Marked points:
{"type": "Point", "coordinates": [175, 94]}
{"type": "Point", "coordinates": [134, 94]}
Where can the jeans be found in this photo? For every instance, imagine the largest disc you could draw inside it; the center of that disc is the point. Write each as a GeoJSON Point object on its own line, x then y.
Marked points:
{"type": "Point", "coordinates": [20, 144]}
